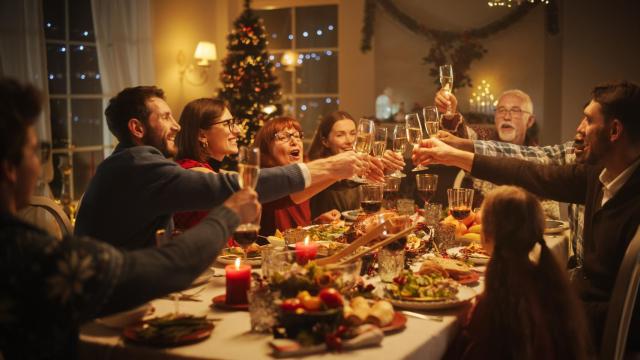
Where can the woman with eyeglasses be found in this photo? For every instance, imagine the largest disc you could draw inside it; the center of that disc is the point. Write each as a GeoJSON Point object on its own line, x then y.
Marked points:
{"type": "Point", "coordinates": [281, 143]}
{"type": "Point", "coordinates": [208, 134]}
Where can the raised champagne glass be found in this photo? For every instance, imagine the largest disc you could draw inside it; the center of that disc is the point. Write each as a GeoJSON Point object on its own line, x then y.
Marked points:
{"type": "Point", "coordinates": [460, 201]}
{"type": "Point", "coordinates": [248, 168]}
{"type": "Point", "coordinates": [446, 80]}
{"type": "Point", "coordinates": [431, 120]}
{"type": "Point", "coordinates": [399, 142]}
{"type": "Point", "coordinates": [379, 142]}
{"type": "Point", "coordinates": [414, 134]}
{"type": "Point", "coordinates": [364, 141]}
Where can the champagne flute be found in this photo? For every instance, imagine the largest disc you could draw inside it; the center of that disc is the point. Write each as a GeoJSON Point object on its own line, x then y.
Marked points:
{"type": "Point", "coordinates": [414, 134]}
{"type": "Point", "coordinates": [364, 141]}
{"type": "Point", "coordinates": [399, 145]}
{"type": "Point", "coordinates": [426, 184]}
{"type": "Point", "coordinates": [446, 80]}
{"type": "Point", "coordinates": [379, 142]}
{"type": "Point", "coordinates": [431, 120]}
{"type": "Point", "coordinates": [249, 168]}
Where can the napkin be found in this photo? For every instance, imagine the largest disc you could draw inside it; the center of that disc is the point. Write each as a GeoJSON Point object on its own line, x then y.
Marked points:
{"type": "Point", "coordinates": [370, 335]}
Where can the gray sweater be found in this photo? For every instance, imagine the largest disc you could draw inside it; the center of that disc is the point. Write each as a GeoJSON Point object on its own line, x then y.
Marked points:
{"type": "Point", "coordinates": [136, 190]}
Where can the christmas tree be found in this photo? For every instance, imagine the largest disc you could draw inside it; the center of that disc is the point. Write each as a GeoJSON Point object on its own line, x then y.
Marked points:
{"type": "Point", "coordinates": [249, 83]}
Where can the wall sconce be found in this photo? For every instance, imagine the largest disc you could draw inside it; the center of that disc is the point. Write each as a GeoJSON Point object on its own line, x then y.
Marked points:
{"type": "Point", "coordinates": [204, 54]}
{"type": "Point", "coordinates": [290, 60]}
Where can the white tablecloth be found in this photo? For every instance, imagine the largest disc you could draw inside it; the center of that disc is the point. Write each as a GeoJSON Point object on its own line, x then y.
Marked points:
{"type": "Point", "coordinates": [232, 338]}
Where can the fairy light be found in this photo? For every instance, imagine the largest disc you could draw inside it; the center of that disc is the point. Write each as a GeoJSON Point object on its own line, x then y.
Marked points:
{"type": "Point", "coordinates": [482, 100]}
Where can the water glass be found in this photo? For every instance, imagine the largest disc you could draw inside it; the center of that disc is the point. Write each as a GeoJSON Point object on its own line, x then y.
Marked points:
{"type": "Point", "coordinates": [406, 206]}
{"type": "Point", "coordinates": [390, 263]}
{"type": "Point", "coordinates": [276, 260]}
{"type": "Point", "coordinates": [432, 214]}
{"type": "Point", "coordinates": [445, 237]}
{"type": "Point", "coordinates": [263, 311]}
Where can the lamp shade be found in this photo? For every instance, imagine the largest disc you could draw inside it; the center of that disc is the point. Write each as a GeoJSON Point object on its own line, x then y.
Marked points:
{"type": "Point", "coordinates": [205, 52]}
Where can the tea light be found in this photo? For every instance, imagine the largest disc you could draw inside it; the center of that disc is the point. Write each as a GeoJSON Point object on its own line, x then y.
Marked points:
{"type": "Point", "coordinates": [306, 250]}
{"type": "Point", "coordinates": [238, 282]}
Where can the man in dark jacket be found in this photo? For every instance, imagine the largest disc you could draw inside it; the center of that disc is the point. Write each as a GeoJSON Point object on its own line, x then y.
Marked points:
{"type": "Point", "coordinates": [607, 186]}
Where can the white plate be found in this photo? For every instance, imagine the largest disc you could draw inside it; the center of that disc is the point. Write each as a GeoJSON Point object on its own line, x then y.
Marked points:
{"type": "Point", "coordinates": [231, 259]}
{"type": "Point", "coordinates": [478, 259]}
{"type": "Point", "coordinates": [464, 295]}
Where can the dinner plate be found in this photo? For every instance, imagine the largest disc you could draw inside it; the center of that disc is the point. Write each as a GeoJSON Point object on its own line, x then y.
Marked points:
{"type": "Point", "coordinates": [464, 295]}
{"type": "Point", "coordinates": [231, 259]}
{"type": "Point", "coordinates": [398, 324]}
{"type": "Point", "coordinates": [554, 226]}
{"type": "Point", "coordinates": [131, 333]}
{"type": "Point", "coordinates": [476, 259]}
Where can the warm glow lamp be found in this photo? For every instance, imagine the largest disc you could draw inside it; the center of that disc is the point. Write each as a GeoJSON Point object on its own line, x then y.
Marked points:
{"type": "Point", "coordinates": [205, 52]}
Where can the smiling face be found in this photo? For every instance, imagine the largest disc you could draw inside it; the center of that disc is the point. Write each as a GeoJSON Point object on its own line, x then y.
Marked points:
{"type": "Point", "coordinates": [595, 130]}
{"type": "Point", "coordinates": [219, 139]}
{"type": "Point", "coordinates": [512, 118]}
{"type": "Point", "coordinates": [287, 147]}
{"type": "Point", "coordinates": [341, 137]}
{"type": "Point", "coordinates": [161, 128]}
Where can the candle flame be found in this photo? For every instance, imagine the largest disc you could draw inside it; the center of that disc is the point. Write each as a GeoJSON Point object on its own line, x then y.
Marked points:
{"type": "Point", "coordinates": [237, 263]}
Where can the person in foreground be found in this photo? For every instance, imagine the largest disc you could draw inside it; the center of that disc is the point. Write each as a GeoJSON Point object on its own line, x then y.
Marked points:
{"type": "Point", "coordinates": [136, 190]}
{"type": "Point", "coordinates": [607, 185]}
{"type": "Point", "coordinates": [50, 287]}
{"type": "Point", "coordinates": [527, 310]}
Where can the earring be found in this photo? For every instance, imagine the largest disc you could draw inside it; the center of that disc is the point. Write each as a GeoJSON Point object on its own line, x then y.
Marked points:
{"type": "Point", "coordinates": [204, 144]}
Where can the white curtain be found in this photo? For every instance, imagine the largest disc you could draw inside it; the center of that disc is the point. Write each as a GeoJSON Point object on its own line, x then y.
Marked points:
{"type": "Point", "coordinates": [22, 50]}
{"type": "Point", "coordinates": [124, 42]}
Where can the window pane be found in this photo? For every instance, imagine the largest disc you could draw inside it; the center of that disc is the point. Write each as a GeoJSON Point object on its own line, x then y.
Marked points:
{"type": "Point", "coordinates": [84, 166]}
{"type": "Point", "coordinates": [310, 111]}
{"type": "Point", "coordinates": [283, 74]}
{"type": "Point", "coordinates": [86, 122]}
{"type": "Point", "coordinates": [59, 123]}
{"type": "Point", "coordinates": [85, 76]}
{"type": "Point", "coordinates": [56, 67]}
{"type": "Point", "coordinates": [317, 26]}
{"type": "Point", "coordinates": [278, 25]}
{"type": "Point", "coordinates": [53, 12]}
{"type": "Point", "coordinates": [56, 183]}
{"type": "Point", "coordinates": [318, 72]}
{"type": "Point", "coordinates": [80, 21]}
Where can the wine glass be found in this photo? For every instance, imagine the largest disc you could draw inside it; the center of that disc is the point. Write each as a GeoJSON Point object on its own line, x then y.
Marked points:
{"type": "Point", "coordinates": [414, 134]}
{"type": "Point", "coordinates": [364, 141]}
{"type": "Point", "coordinates": [460, 201]}
{"type": "Point", "coordinates": [390, 191]}
{"type": "Point", "coordinates": [371, 197]}
{"type": "Point", "coordinates": [399, 141]}
{"type": "Point", "coordinates": [426, 184]}
{"type": "Point", "coordinates": [248, 168]}
{"type": "Point", "coordinates": [446, 80]}
{"type": "Point", "coordinates": [431, 120]}
{"type": "Point", "coordinates": [379, 142]}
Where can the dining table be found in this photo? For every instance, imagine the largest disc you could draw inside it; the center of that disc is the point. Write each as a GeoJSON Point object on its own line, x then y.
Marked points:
{"type": "Point", "coordinates": [423, 338]}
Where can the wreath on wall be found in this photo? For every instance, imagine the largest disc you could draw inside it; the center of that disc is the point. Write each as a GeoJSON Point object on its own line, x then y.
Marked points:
{"type": "Point", "coordinates": [458, 48]}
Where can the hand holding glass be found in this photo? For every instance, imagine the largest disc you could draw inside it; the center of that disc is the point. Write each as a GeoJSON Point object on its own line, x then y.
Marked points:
{"type": "Point", "coordinates": [248, 168]}
{"type": "Point", "coordinates": [399, 141]}
{"type": "Point", "coordinates": [446, 80]}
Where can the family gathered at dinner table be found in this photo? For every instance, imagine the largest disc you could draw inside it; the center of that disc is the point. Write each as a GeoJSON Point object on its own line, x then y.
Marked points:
{"type": "Point", "coordinates": [160, 209]}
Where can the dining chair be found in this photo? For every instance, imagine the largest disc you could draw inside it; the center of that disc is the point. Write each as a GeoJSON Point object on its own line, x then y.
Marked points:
{"type": "Point", "coordinates": [54, 209]}
{"type": "Point", "coordinates": [621, 305]}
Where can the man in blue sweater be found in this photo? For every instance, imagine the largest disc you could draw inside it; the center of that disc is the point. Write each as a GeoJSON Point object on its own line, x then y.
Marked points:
{"type": "Point", "coordinates": [136, 190]}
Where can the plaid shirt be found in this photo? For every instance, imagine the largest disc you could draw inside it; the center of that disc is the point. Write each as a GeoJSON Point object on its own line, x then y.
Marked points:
{"type": "Point", "coordinates": [553, 154]}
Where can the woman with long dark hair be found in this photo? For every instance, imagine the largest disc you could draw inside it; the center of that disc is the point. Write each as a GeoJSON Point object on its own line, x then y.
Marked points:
{"type": "Point", "coordinates": [528, 310]}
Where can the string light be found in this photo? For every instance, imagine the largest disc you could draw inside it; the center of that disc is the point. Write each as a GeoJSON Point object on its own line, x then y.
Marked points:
{"type": "Point", "coordinates": [482, 101]}
{"type": "Point", "coordinates": [510, 3]}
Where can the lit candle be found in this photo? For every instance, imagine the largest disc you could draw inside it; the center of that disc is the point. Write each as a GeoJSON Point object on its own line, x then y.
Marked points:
{"type": "Point", "coordinates": [306, 251]}
{"type": "Point", "coordinates": [238, 282]}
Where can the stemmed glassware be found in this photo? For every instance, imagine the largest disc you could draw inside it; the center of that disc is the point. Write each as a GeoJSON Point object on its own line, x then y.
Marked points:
{"type": "Point", "coordinates": [446, 80]}
{"type": "Point", "coordinates": [380, 142]}
{"type": "Point", "coordinates": [248, 168]}
{"type": "Point", "coordinates": [414, 134]}
{"type": "Point", "coordinates": [399, 141]}
{"type": "Point", "coordinates": [371, 197]}
{"type": "Point", "coordinates": [364, 141]}
{"type": "Point", "coordinates": [460, 201]}
{"type": "Point", "coordinates": [431, 120]}
{"type": "Point", "coordinates": [426, 184]}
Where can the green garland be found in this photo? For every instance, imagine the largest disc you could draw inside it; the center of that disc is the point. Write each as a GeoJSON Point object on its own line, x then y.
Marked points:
{"type": "Point", "coordinates": [459, 48]}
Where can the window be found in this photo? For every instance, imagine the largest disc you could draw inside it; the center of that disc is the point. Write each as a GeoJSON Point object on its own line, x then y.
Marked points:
{"type": "Point", "coordinates": [75, 93]}
{"type": "Point", "coordinates": [303, 43]}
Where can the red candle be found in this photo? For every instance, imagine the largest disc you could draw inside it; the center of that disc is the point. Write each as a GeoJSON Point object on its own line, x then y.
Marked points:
{"type": "Point", "coordinates": [306, 251]}
{"type": "Point", "coordinates": [238, 282]}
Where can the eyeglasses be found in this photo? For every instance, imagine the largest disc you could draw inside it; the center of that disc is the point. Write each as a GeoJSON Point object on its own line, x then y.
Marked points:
{"type": "Point", "coordinates": [286, 136]}
{"type": "Point", "coordinates": [513, 112]}
{"type": "Point", "coordinates": [231, 123]}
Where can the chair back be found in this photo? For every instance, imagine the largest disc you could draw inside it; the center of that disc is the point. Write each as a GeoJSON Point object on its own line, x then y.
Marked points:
{"type": "Point", "coordinates": [56, 211]}
{"type": "Point", "coordinates": [621, 305]}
